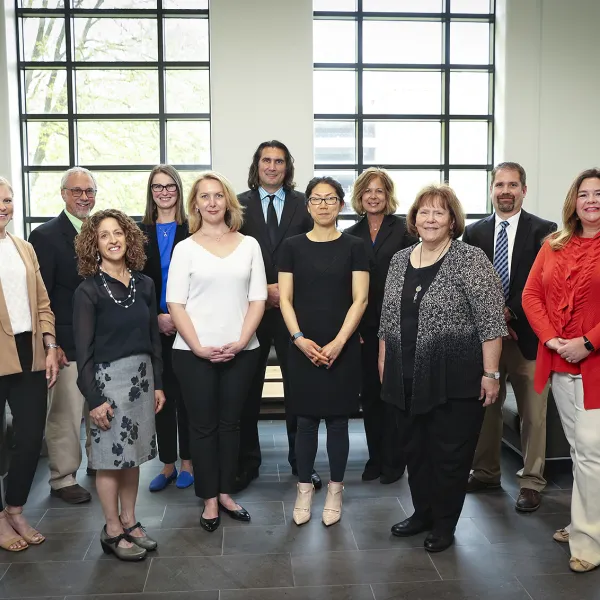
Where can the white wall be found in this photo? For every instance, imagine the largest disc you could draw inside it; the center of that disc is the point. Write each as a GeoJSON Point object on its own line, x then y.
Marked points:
{"type": "Point", "coordinates": [10, 153]}
{"type": "Point", "coordinates": [261, 83]}
{"type": "Point", "coordinates": [548, 94]}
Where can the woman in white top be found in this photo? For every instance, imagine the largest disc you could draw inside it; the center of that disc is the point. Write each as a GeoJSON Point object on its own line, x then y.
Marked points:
{"type": "Point", "coordinates": [216, 294]}
{"type": "Point", "coordinates": [28, 366]}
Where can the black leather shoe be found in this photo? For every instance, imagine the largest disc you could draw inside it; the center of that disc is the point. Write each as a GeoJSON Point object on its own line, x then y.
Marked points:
{"type": "Point", "coordinates": [438, 542]}
{"type": "Point", "coordinates": [528, 500]}
{"type": "Point", "coordinates": [371, 472]}
{"type": "Point", "coordinates": [410, 526]}
{"type": "Point", "coordinates": [387, 478]}
{"type": "Point", "coordinates": [243, 480]}
{"type": "Point", "coordinates": [240, 514]}
{"type": "Point", "coordinates": [474, 485]}
{"type": "Point", "coordinates": [210, 525]}
{"type": "Point", "coordinates": [316, 480]}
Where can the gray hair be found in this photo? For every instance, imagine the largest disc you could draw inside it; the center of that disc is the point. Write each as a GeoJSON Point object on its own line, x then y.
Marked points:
{"type": "Point", "coordinates": [73, 171]}
{"type": "Point", "coordinates": [6, 182]}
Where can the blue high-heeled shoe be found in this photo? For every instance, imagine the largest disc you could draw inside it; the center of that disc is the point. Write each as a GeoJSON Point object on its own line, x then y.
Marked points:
{"type": "Point", "coordinates": [161, 481]}
{"type": "Point", "coordinates": [184, 480]}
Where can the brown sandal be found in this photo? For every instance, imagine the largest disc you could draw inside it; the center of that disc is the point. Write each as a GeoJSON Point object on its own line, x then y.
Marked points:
{"type": "Point", "coordinates": [9, 543]}
{"type": "Point", "coordinates": [32, 536]}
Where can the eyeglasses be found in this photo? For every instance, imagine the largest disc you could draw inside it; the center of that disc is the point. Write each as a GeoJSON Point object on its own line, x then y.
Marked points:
{"type": "Point", "coordinates": [77, 192]}
{"type": "Point", "coordinates": [158, 187]}
{"type": "Point", "coordinates": [330, 200]}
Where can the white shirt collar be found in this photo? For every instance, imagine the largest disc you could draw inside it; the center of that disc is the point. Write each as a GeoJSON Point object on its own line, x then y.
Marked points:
{"type": "Point", "coordinates": [512, 221]}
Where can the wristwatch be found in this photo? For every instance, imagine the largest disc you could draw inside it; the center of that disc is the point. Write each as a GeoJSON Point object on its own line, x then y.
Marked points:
{"type": "Point", "coordinates": [297, 335]}
{"type": "Point", "coordinates": [588, 345]}
{"type": "Point", "coordinates": [51, 346]}
{"type": "Point", "coordinates": [492, 374]}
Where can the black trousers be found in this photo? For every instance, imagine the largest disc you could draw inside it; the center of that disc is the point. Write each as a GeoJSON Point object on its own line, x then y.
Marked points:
{"type": "Point", "coordinates": [381, 429]}
{"type": "Point", "coordinates": [440, 446]}
{"type": "Point", "coordinates": [307, 442]}
{"type": "Point", "coordinates": [26, 394]}
{"type": "Point", "coordinates": [172, 419]}
{"type": "Point", "coordinates": [214, 395]}
{"type": "Point", "coordinates": [271, 331]}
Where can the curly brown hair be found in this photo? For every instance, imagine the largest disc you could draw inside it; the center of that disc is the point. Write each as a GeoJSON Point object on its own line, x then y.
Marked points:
{"type": "Point", "coordinates": [86, 243]}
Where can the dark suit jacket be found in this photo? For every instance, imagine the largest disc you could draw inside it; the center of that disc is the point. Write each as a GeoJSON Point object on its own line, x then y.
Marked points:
{"type": "Point", "coordinates": [152, 267]}
{"type": "Point", "coordinates": [391, 238]}
{"type": "Point", "coordinates": [294, 221]}
{"type": "Point", "coordinates": [529, 238]}
{"type": "Point", "coordinates": [54, 244]}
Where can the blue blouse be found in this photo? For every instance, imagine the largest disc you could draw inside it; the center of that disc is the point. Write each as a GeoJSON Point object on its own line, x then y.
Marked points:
{"type": "Point", "coordinates": [165, 234]}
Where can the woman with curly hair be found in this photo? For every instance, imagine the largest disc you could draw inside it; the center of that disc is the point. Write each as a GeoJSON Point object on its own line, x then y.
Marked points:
{"type": "Point", "coordinates": [119, 360]}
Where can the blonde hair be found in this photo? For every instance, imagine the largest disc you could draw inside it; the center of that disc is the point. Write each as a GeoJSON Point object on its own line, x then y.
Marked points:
{"type": "Point", "coordinates": [448, 200]}
{"type": "Point", "coordinates": [362, 183]}
{"type": "Point", "coordinates": [571, 223]}
{"type": "Point", "coordinates": [234, 212]}
{"type": "Point", "coordinates": [6, 182]}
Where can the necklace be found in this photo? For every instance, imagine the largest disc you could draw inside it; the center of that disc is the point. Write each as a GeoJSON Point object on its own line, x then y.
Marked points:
{"type": "Point", "coordinates": [376, 228]}
{"type": "Point", "coordinates": [420, 287]}
{"type": "Point", "coordinates": [130, 299]}
{"type": "Point", "coordinates": [216, 238]}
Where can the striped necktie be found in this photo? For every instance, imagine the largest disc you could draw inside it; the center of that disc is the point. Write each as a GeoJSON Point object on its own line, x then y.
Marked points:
{"type": "Point", "coordinates": [501, 257]}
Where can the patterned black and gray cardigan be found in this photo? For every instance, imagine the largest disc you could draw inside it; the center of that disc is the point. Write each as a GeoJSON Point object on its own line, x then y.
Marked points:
{"type": "Point", "coordinates": [462, 308]}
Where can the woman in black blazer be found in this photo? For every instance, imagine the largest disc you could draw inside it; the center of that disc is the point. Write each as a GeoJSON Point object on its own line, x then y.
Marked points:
{"type": "Point", "coordinates": [384, 234]}
{"type": "Point", "coordinates": [165, 225]}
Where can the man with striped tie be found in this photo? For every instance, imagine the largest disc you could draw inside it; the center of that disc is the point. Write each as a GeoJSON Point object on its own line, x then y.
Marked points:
{"type": "Point", "coordinates": [511, 238]}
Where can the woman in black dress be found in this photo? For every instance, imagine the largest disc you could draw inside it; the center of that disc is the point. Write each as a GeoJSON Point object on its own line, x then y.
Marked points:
{"type": "Point", "coordinates": [323, 286]}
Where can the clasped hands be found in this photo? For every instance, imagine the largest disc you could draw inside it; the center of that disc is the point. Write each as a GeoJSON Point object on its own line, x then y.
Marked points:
{"type": "Point", "coordinates": [573, 351]}
{"type": "Point", "coordinates": [320, 356]}
{"type": "Point", "coordinates": [221, 354]}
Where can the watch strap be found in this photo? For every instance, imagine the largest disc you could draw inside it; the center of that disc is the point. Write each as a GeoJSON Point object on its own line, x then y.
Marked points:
{"type": "Point", "coordinates": [492, 374]}
{"type": "Point", "coordinates": [296, 335]}
{"type": "Point", "coordinates": [588, 345]}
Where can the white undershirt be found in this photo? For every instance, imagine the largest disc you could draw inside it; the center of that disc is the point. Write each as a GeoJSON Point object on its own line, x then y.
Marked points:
{"type": "Point", "coordinates": [511, 232]}
{"type": "Point", "coordinates": [216, 291]}
{"type": "Point", "coordinates": [13, 277]}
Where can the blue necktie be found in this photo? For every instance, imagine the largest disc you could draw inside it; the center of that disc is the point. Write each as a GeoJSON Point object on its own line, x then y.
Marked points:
{"type": "Point", "coordinates": [501, 257]}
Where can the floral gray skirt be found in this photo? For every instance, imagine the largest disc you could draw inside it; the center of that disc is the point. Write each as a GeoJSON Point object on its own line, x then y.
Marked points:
{"type": "Point", "coordinates": [128, 385]}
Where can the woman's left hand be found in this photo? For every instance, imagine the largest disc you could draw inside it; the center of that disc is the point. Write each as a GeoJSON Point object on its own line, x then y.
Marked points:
{"type": "Point", "coordinates": [234, 348]}
{"type": "Point", "coordinates": [490, 388]}
{"type": "Point", "coordinates": [159, 400]}
{"type": "Point", "coordinates": [573, 351]}
{"type": "Point", "coordinates": [52, 367]}
{"type": "Point", "coordinates": [332, 351]}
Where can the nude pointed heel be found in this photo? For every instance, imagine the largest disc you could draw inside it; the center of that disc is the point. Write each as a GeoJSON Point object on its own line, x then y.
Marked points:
{"type": "Point", "coordinates": [332, 512]}
{"type": "Point", "coordinates": [306, 492]}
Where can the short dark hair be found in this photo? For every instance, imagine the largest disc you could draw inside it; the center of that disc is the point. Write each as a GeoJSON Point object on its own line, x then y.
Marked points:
{"type": "Point", "coordinates": [334, 183]}
{"type": "Point", "coordinates": [288, 180]}
{"type": "Point", "coordinates": [510, 166]}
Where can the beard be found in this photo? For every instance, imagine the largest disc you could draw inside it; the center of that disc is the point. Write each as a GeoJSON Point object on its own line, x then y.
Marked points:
{"type": "Point", "coordinates": [506, 205]}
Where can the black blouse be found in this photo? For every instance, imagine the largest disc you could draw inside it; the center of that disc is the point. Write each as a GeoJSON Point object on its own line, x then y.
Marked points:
{"type": "Point", "coordinates": [105, 331]}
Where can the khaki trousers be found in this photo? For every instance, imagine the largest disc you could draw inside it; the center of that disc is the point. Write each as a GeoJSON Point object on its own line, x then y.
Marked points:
{"type": "Point", "coordinates": [63, 428]}
{"type": "Point", "coordinates": [582, 430]}
{"type": "Point", "coordinates": [532, 412]}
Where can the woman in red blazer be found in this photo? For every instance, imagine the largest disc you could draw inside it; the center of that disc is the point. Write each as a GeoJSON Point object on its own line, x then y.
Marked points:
{"type": "Point", "coordinates": [562, 303]}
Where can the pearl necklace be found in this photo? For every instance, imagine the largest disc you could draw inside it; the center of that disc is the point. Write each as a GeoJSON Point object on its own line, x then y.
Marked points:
{"type": "Point", "coordinates": [130, 299]}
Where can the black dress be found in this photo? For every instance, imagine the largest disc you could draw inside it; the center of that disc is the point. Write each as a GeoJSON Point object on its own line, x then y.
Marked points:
{"type": "Point", "coordinates": [322, 297]}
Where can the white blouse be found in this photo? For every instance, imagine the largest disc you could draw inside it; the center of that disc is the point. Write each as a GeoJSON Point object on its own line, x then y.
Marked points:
{"type": "Point", "coordinates": [216, 291]}
{"type": "Point", "coordinates": [13, 277]}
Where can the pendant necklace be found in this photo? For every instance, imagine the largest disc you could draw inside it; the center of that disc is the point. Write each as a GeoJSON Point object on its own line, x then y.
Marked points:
{"type": "Point", "coordinates": [130, 299]}
{"type": "Point", "coordinates": [419, 287]}
{"type": "Point", "coordinates": [215, 238]}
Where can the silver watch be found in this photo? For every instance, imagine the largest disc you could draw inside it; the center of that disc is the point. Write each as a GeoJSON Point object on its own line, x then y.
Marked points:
{"type": "Point", "coordinates": [492, 374]}
{"type": "Point", "coordinates": [51, 346]}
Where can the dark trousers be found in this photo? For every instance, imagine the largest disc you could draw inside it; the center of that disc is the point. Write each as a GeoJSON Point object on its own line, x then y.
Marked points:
{"type": "Point", "coordinates": [26, 394]}
{"type": "Point", "coordinates": [307, 442]}
{"type": "Point", "coordinates": [381, 429]}
{"type": "Point", "coordinates": [214, 395]}
{"type": "Point", "coordinates": [271, 331]}
{"type": "Point", "coordinates": [172, 419]}
{"type": "Point", "coordinates": [439, 447]}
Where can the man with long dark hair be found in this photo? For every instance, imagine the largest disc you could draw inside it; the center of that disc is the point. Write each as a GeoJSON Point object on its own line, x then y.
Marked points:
{"type": "Point", "coordinates": [274, 211]}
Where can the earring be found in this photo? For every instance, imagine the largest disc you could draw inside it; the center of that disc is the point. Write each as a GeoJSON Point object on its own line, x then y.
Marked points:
{"type": "Point", "coordinates": [98, 259]}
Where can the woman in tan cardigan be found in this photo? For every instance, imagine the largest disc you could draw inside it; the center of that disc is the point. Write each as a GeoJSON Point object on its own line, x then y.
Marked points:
{"type": "Point", "coordinates": [28, 366]}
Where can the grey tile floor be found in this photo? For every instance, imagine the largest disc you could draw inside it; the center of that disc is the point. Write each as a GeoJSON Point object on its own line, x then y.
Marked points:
{"type": "Point", "coordinates": [499, 553]}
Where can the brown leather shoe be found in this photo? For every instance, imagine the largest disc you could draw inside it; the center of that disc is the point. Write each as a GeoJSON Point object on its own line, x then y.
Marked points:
{"type": "Point", "coordinates": [474, 485]}
{"type": "Point", "coordinates": [528, 500]}
{"type": "Point", "coordinates": [73, 494]}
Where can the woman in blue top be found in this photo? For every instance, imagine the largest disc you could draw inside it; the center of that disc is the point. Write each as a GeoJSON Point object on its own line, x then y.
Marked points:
{"type": "Point", "coordinates": [165, 224]}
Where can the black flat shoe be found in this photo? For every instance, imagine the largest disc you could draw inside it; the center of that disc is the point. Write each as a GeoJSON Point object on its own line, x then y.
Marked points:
{"type": "Point", "coordinates": [438, 542]}
{"type": "Point", "coordinates": [371, 472]}
{"type": "Point", "coordinates": [210, 525]}
{"type": "Point", "coordinates": [387, 478]}
{"type": "Point", "coordinates": [316, 480]}
{"type": "Point", "coordinates": [410, 526]}
{"type": "Point", "coordinates": [240, 514]}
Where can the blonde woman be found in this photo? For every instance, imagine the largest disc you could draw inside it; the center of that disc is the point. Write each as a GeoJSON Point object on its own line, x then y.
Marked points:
{"type": "Point", "coordinates": [216, 294]}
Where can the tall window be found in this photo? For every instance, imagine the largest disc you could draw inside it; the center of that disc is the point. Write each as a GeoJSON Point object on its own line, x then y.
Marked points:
{"type": "Point", "coordinates": [406, 85]}
{"type": "Point", "coordinates": [116, 86]}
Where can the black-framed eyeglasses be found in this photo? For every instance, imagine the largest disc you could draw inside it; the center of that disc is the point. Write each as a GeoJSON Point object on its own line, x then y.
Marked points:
{"type": "Point", "coordinates": [330, 200]}
{"type": "Point", "coordinates": [159, 187]}
{"type": "Point", "coordinates": [77, 192]}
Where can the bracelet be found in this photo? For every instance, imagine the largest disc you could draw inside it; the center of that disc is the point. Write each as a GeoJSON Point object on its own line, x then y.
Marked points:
{"type": "Point", "coordinates": [296, 335]}
{"type": "Point", "coordinates": [51, 346]}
